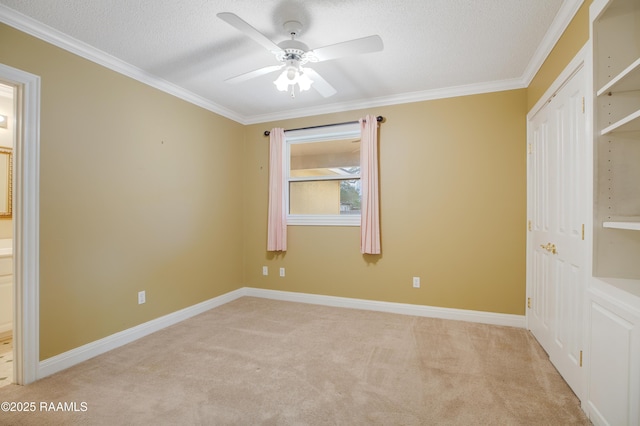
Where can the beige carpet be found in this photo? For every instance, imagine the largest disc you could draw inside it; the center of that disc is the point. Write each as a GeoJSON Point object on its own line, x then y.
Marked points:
{"type": "Point", "coordinates": [262, 362]}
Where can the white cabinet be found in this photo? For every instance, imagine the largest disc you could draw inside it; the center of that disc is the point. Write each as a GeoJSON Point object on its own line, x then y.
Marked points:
{"type": "Point", "coordinates": [613, 363]}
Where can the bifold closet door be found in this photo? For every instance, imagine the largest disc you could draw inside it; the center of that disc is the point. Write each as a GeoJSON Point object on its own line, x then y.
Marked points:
{"type": "Point", "coordinates": [556, 249]}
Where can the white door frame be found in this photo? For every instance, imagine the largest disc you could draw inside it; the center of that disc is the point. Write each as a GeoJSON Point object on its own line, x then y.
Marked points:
{"type": "Point", "coordinates": [26, 223]}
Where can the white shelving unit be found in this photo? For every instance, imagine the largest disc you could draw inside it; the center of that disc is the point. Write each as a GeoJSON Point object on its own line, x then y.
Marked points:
{"type": "Point", "coordinates": [616, 73]}
{"type": "Point", "coordinates": [613, 297]}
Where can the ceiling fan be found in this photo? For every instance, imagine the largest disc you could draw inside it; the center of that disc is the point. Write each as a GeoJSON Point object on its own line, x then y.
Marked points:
{"type": "Point", "coordinates": [293, 54]}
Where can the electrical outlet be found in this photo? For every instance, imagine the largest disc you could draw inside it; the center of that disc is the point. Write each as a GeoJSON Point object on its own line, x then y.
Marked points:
{"type": "Point", "coordinates": [141, 297]}
{"type": "Point", "coordinates": [282, 272]}
{"type": "Point", "coordinates": [416, 282]}
{"type": "Point", "coordinates": [265, 270]}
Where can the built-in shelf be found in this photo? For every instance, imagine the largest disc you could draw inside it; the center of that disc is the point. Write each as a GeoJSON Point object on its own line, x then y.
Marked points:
{"type": "Point", "coordinates": [630, 124]}
{"type": "Point", "coordinates": [625, 286]}
{"type": "Point", "coordinates": [627, 80]}
{"type": "Point", "coordinates": [633, 226]}
{"type": "Point", "coordinates": [616, 120]}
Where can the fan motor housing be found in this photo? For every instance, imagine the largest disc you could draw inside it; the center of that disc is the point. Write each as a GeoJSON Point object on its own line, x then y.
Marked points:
{"type": "Point", "coordinates": [293, 50]}
{"type": "Point", "coordinates": [294, 46]}
{"type": "Point", "coordinates": [293, 28]}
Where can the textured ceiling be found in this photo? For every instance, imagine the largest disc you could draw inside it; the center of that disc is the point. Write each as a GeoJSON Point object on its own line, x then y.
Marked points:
{"type": "Point", "coordinates": [430, 46]}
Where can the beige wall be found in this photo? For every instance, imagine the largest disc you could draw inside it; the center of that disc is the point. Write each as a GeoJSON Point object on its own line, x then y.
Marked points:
{"type": "Point", "coordinates": [453, 210]}
{"type": "Point", "coordinates": [569, 44]}
{"type": "Point", "coordinates": [143, 191]}
{"type": "Point", "coordinates": [138, 191]}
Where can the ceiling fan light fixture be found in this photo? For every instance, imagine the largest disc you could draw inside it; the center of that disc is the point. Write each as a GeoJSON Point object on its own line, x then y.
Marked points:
{"type": "Point", "coordinates": [282, 82]}
{"type": "Point", "coordinates": [291, 76]}
{"type": "Point", "coordinates": [304, 82]}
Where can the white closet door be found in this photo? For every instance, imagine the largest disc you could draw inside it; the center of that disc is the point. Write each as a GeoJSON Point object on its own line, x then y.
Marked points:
{"type": "Point", "coordinates": [540, 314]}
{"type": "Point", "coordinates": [557, 251]}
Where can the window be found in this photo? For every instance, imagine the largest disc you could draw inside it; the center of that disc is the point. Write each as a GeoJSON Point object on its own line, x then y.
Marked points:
{"type": "Point", "coordinates": [322, 171]}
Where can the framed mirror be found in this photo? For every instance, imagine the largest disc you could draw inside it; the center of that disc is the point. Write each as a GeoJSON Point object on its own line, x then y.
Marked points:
{"type": "Point", "coordinates": [6, 184]}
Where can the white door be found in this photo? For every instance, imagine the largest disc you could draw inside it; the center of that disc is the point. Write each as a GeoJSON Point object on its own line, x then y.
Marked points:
{"type": "Point", "coordinates": [556, 247]}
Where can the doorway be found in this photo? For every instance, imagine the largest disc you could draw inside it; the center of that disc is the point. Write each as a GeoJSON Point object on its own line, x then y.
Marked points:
{"type": "Point", "coordinates": [25, 222]}
{"type": "Point", "coordinates": [7, 142]}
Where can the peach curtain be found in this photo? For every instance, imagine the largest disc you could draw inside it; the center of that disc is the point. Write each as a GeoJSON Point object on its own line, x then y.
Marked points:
{"type": "Point", "coordinates": [277, 219]}
{"type": "Point", "coordinates": [370, 223]}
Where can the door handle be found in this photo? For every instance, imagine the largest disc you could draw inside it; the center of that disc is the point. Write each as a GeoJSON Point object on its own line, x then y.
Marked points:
{"type": "Point", "coordinates": [551, 248]}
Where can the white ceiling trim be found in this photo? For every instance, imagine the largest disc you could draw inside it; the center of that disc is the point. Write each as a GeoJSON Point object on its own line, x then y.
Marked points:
{"type": "Point", "coordinates": [405, 98]}
{"type": "Point", "coordinates": [59, 39]}
{"type": "Point", "coordinates": [562, 20]}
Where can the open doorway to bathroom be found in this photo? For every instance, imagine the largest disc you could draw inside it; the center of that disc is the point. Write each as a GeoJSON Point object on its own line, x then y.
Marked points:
{"type": "Point", "coordinates": [7, 143]}
{"type": "Point", "coordinates": [25, 243]}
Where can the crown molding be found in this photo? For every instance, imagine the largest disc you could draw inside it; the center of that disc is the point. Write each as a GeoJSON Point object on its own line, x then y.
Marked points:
{"type": "Point", "coordinates": [39, 30]}
{"type": "Point", "coordinates": [404, 98]}
{"type": "Point", "coordinates": [44, 32]}
{"type": "Point", "coordinates": [560, 23]}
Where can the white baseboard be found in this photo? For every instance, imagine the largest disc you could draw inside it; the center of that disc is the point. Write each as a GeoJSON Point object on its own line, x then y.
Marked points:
{"type": "Point", "coordinates": [391, 307]}
{"type": "Point", "coordinates": [594, 414]}
{"type": "Point", "coordinates": [75, 356]}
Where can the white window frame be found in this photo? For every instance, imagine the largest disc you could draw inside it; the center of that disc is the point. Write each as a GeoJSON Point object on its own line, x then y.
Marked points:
{"type": "Point", "coordinates": [318, 134]}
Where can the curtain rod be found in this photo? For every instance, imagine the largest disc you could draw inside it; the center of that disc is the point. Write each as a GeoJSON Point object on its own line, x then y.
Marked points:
{"type": "Point", "coordinates": [379, 119]}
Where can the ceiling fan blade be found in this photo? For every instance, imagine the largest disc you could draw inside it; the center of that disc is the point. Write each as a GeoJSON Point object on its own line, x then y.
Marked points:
{"type": "Point", "coordinates": [319, 83]}
{"type": "Point", "coordinates": [349, 48]}
{"type": "Point", "coordinates": [241, 25]}
{"type": "Point", "coordinates": [253, 74]}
